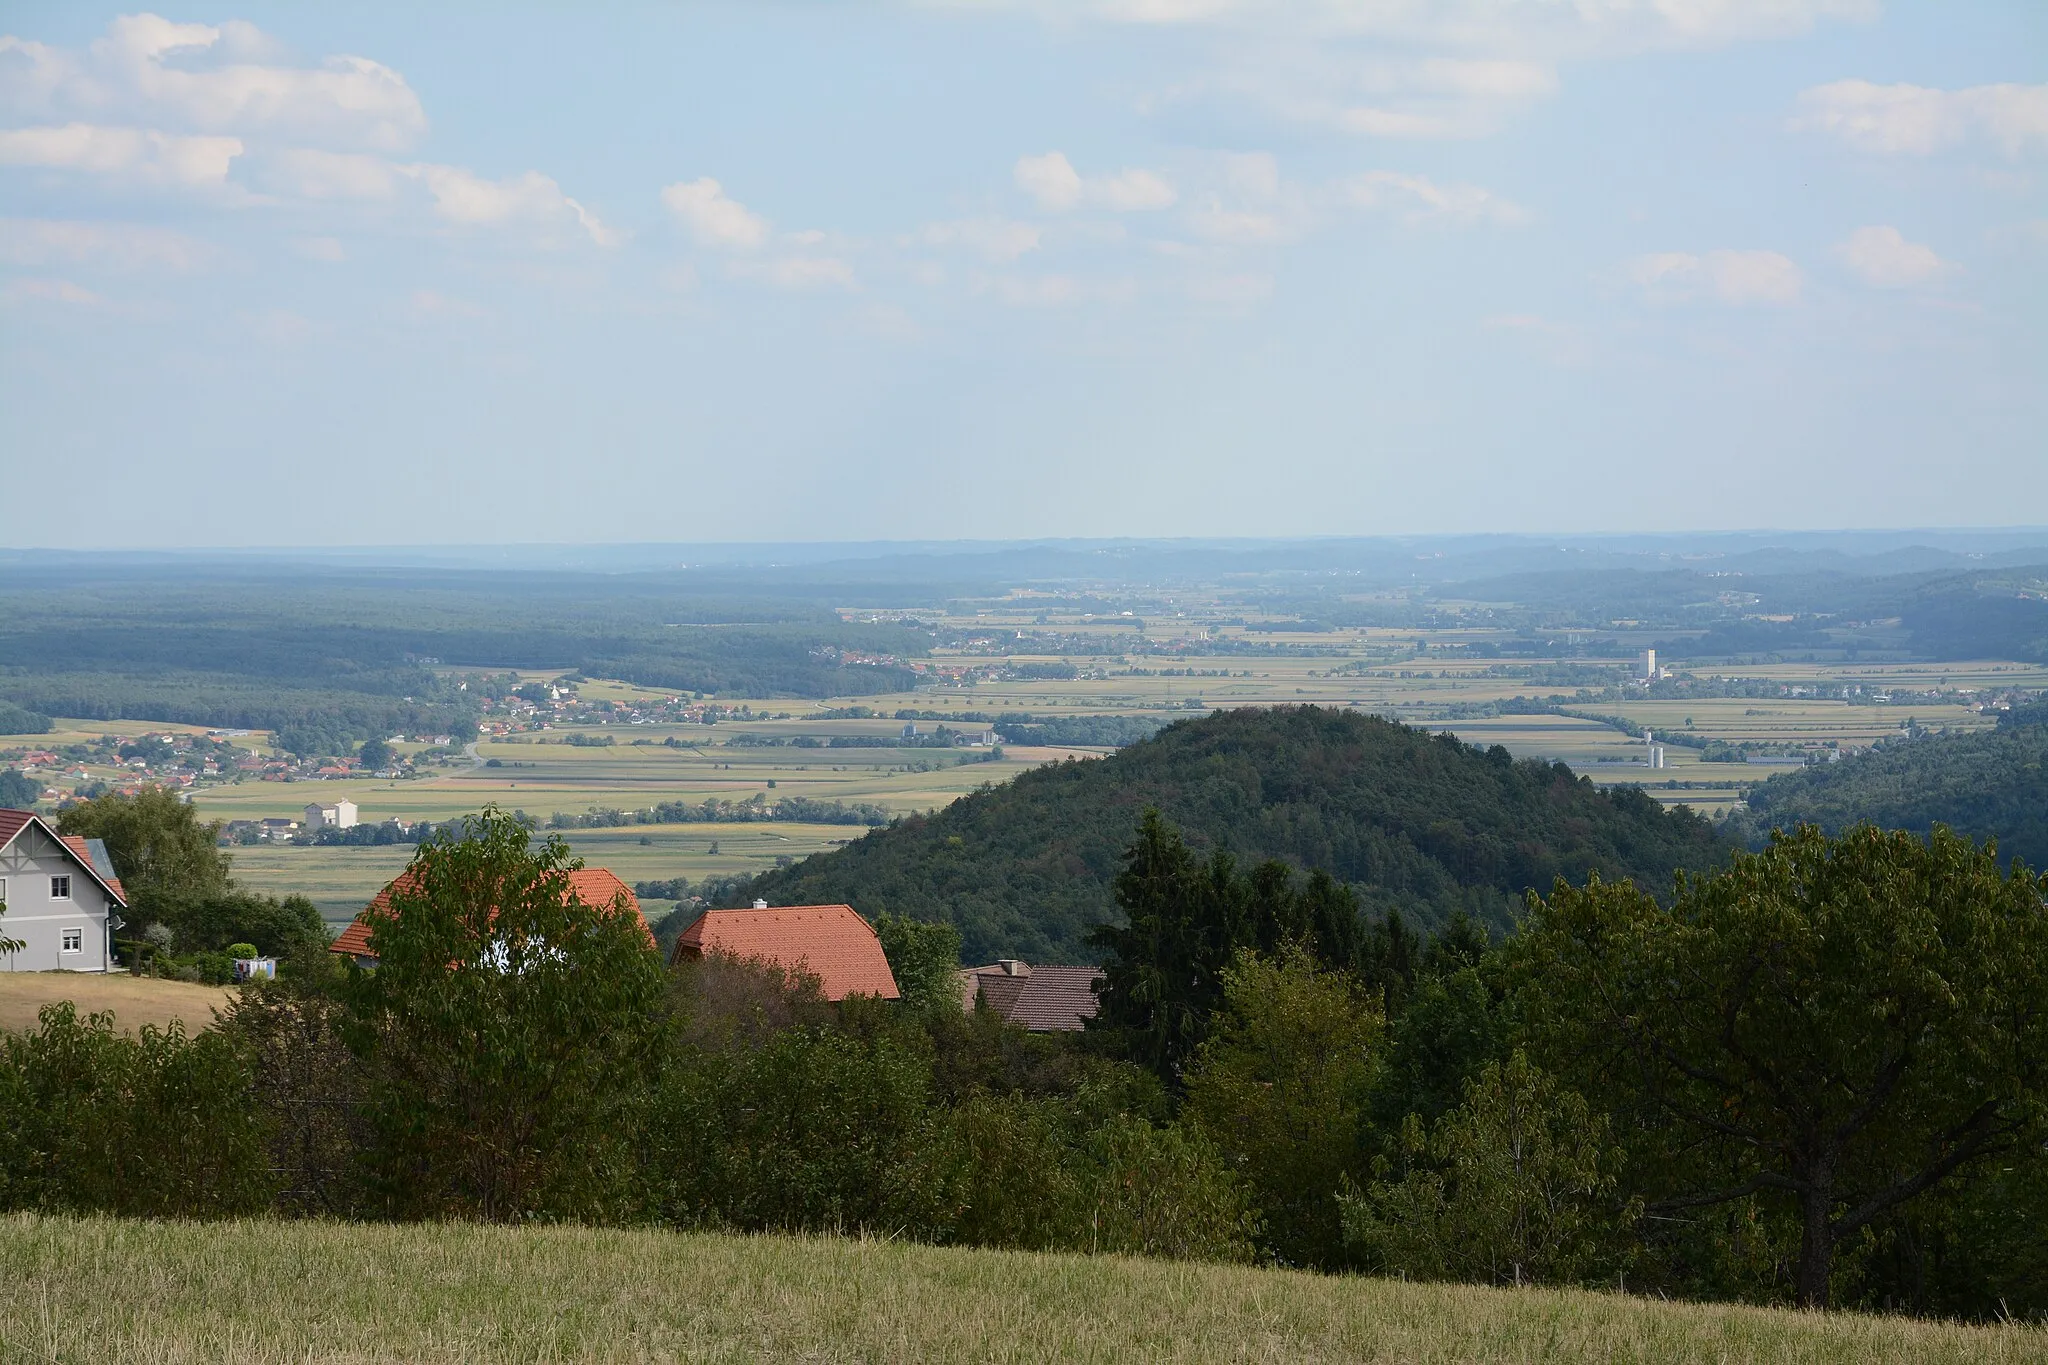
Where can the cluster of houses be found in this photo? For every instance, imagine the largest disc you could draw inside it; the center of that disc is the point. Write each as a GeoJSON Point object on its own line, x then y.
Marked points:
{"type": "Point", "coordinates": [829, 943]}
{"type": "Point", "coordinates": [63, 903]}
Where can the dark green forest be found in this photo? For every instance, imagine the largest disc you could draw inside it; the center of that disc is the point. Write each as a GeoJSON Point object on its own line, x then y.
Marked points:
{"type": "Point", "coordinates": [1988, 785]}
{"type": "Point", "coordinates": [1419, 823]}
{"type": "Point", "coordinates": [327, 657]}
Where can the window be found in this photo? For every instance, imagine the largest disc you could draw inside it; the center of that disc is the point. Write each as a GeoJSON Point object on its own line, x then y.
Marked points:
{"type": "Point", "coordinates": [60, 888]}
{"type": "Point", "coordinates": [74, 940]}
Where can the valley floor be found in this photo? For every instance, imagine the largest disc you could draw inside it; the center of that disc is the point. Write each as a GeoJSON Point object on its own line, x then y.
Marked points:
{"type": "Point", "coordinates": [104, 1290]}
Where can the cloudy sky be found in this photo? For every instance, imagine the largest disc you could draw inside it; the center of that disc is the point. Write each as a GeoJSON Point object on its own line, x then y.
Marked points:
{"type": "Point", "coordinates": [351, 274]}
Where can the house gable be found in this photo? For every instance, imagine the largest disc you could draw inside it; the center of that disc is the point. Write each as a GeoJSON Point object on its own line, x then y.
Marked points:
{"type": "Point", "coordinates": [58, 900]}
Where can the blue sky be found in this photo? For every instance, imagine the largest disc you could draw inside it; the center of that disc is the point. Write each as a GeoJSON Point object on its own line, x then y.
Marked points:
{"type": "Point", "coordinates": [358, 275]}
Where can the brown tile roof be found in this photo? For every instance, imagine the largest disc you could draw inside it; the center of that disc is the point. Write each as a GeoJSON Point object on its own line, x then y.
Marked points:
{"type": "Point", "coordinates": [594, 886]}
{"type": "Point", "coordinates": [830, 942]}
{"type": "Point", "coordinates": [13, 822]}
{"type": "Point", "coordinates": [1042, 999]}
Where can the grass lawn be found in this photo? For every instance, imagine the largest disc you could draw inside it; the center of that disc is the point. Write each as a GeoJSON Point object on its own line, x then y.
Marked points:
{"type": "Point", "coordinates": [169, 1293]}
{"type": "Point", "coordinates": [135, 1000]}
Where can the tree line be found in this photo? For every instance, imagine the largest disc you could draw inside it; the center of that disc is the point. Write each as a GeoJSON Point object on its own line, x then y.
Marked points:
{"type": "Point", "coordinates": [1818, 1075]}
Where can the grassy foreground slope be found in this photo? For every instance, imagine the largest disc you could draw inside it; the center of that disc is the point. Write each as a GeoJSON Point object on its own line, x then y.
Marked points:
{"type": "Point", "coordinates": [250, 1293]}
{"type": "Point", "coordinates": [1418, 822]}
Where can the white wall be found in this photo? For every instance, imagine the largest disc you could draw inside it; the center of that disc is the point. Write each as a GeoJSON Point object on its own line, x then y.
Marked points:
{"type": "Point", "coordinates": [39, 921]}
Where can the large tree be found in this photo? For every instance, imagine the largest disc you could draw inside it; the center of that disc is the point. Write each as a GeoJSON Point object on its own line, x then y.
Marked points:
{"type": "Point", "coordinates": [1839, 1024]}
{"type": "Point", "coordinates": [1281, 1087]}
{"type": "Point", "coordinates": [1184, 922]}
{"type": "Point", "coordinates": [162, 851]}
{"type": "Point", "coordinates": [507, 1027]}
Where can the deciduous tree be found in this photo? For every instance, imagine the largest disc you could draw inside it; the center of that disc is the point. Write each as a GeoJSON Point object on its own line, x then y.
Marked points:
{"type": "Point", "coordinates": [1843, 1024]}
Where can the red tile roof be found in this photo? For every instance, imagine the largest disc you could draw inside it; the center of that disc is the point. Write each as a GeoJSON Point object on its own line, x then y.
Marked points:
{"type": "Point", "coordinates": [830, 942]}
{"type": "Point", "coordinates": [76, 843]}
{"type": "Point", "coordinates": [594, 886]}
{"type": "Point", "coordinates": [13, 822]}
{"type": "Point", "coordinates": [1042, 999]}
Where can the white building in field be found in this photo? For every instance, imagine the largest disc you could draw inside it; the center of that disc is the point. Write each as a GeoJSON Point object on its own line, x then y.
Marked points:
{"type": "Point", "coordinates": [339, 815]}
{"type": "Point", "coordinates": [63, 899]}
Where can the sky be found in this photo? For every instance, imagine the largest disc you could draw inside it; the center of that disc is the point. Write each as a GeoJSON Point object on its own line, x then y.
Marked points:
{"type": "Point", "coordinates": [375, 274]}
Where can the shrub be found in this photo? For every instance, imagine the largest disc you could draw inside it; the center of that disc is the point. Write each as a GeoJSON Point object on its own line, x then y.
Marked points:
{"type": "Point", "coordinates": [158, 1125]}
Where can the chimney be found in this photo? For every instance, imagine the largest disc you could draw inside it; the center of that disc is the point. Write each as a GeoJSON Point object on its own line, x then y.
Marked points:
{"type": "Point", "coordinates": [1012, 967]}
{"type": "Point", "coordinates": [760, 905]}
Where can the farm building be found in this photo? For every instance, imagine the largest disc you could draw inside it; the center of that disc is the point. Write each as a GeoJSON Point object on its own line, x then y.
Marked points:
{"type": "Point", "coordinates": [339, 815]}
{"type": "Point", "coordinates": [831, 942]}
{"type": "Point", "coordinates": [1041, 999]}
{"type": "Point", "coordinates": [61, 894]}
{"type": "Point", "coordinates": [594, 886]}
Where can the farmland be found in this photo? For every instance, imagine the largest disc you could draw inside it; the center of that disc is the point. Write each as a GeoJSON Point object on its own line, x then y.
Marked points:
{"type": "Point", "coordinates": [538, 772]}
{"type": "Point", "coordinates": [252, 1294]}
{"type": "Point", "coordinates": [1545, 665]}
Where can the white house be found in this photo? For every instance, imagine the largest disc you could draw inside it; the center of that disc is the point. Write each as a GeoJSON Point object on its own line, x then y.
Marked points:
{"type": "Point", "coordinates": [61, 892]}
{"type": "Point", "coordinates": [340, 815]}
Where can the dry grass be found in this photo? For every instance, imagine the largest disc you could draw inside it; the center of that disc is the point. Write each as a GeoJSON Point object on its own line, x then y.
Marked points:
{"type": "Point", "coordinates": [306, 1292]}
{"type": "Point", "coordinates": [135, 1000]}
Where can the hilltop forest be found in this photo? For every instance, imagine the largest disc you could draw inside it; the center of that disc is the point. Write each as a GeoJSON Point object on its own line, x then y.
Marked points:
{"type": "Point", "coordinates": [1992, 784]}
{"type": "Point", "coordinates": [1414, 822]}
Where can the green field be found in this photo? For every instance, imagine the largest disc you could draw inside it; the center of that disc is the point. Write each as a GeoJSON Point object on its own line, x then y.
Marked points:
{"type": "Point", "coordinates": [342, 880]}
{"type": "Point", "coordinates": [258, 1293]}
{"type": "Point", "coordinates": [1362, 668]}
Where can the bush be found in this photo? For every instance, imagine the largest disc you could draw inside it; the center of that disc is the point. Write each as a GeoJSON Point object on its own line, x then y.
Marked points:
{"type": "Point", "coordinates": [158, 1125]}
{"type": "Point", "coordinates": [1515, 1186]}
{"type": "Point", "coordinates": [811, 1130]}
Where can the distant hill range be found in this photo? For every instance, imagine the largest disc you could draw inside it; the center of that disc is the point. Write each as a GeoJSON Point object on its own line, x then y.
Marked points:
{"type": "Point", "coordinates": [1414, 821]}
{"type": "Point", "coordinates": [1993, 783]}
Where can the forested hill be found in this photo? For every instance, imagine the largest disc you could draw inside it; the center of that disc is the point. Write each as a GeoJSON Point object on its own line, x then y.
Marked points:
{"type": "Point", "coordinates": [1422, 823]}
{"type": "Point", "coordinates": [1990, 784]}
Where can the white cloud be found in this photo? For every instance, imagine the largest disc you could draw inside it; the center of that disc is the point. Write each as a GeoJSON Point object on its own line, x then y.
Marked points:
{"type": "Point", "coordinates": [54, 291]}
{"type": "Point", "coordinates": [1881, 256]}
{"type": "Point", "coordinates": [998, 239]}
{"type": "Point", "coordinates": [1585, 27]}
{"type": "Point", "coordinates": [1731, 277]}
{"type": "Point", "coordinates": [139, 155]}
{"type": "Point", "coordinates": [433, 305]}
{"type": "Point", "coordinates": [1915, 120]}
{"type": "Point", "coordinates": [1252, 175]}
{"type": "Point", "coordinates": [1054, 290]}
{"type": "Point", "coordinates": [1050, 180]}
{"type": "Point", "coordinates": [326, 249]}
{"type": "Point", "coordinates": [1055, 186]}
{"type": "Point", "coordinates": [208, 78]}
{"type": "Point", "coordinates": [1416, 198]}
{"type": "Point", "coordinates": [713, 217]}
{"type": "Point", "coordinates": [306, 173]}
{"type": "Point", "coordinates": [123, 246]}
{"type": "Point", "coordinates": [1213, 221]}
{"type": "Point", "coordinates": [1131, 191]}
{"type": "Point", "coordinates": [1412, 99]}
{"type": "Point", "coordinates": [464, 197]}
{"type": "Point", "coordinates": [797, 272]}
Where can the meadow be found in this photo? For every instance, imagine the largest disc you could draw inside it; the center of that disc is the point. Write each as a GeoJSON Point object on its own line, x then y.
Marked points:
{"type": "Point", "coordinates": [133, 1000]}
{"type": "Point", "coordinates": [340, 881]}
{"type": "Point", "coordinates": [257, 1293]}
